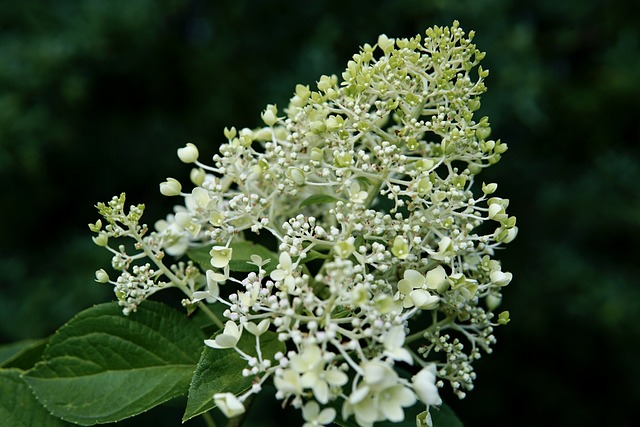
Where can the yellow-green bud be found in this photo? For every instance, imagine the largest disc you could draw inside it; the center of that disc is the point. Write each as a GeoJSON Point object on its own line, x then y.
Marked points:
{"type": "Point", "coordinates": [102, 276]}
{"type": "Point", "coordinates": [101, 239]}
{"type": "Point", "coordinates": [503, 318]}
{"type": "Point", "coordinates": [188, 153]}
{"type": "Point", "coordinates": [197, 176]}
{"type": "Point", "coordinates": [170, 187]}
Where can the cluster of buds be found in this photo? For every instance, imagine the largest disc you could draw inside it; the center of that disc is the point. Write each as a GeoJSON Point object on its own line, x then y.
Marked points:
{"type": "Point", "coordinates": [350, 226]}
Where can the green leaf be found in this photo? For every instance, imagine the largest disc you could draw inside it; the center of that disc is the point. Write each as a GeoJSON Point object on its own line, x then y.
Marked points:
{"type": "Point", "coordinates": [18, 405]}
{"type": "Point", "coordinates": [22, 354]}
{"type": "Point", "coordinates": [221, 371]}
{"type": "Point", "coordinates": [444, 417]}
{"type": "Point", "coordinates": [103, 366]}
{"type": "Point", "coordinates": [242, 252]}
{"type": "Point", "coordinates": [318, 199]}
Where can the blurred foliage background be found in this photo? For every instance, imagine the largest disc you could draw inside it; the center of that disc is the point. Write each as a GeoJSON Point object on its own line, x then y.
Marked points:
{"type": "Point", "coordinates": [96, 96]}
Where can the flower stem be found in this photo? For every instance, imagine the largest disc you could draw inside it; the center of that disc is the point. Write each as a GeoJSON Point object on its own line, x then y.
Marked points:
{"type": "Point", "coordinates": [208, 419]}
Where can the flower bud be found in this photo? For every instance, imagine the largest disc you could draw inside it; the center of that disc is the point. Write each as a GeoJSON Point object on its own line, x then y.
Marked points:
{"type": "Point", "coordinates": [269, 115]}
{"type": "Point", "coordinates": [101, 239]}
{"type": "Point", "coordinates": [96, 227]}
{"type": "Point", "coordinates": [489, 188]}
{"type": "Point", "coordinates": [102, 276]}
{"type": "Point", "coordinates": [483, 133]}
{"type": "Point", "coordinates": [229, 404]}
{"type": "Point", "coordinates": [500, 278]}
{"type": "Point", "coordinates": [230, 133]}
{"type": "Point", "coordinates": [188, 154]}
{"type": "Point", "coordinates": [170, 187]}
{"type": "Point", "coordinates": [197, 176]}
{"type": "Point", "coordinates": [385, 43]}
{"type": "Point", "coordinates": [296, 175]}
{"type": "Point", "coordinates": [493, 301]}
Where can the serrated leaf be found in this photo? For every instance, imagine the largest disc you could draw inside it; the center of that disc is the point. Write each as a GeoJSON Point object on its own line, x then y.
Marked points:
{"type": "Point", "coordinates": [103, 366]}
{"type": "Point", "coordinates": [18, 405]}
{"type": "Point", "coordinates": [22, 354]}
{"type": "Point", "coordinates": [318, 199]}
{"type": "Point", "coordinates": [220, 371]}
{"type": "Point", "coordinates": [242, 252]}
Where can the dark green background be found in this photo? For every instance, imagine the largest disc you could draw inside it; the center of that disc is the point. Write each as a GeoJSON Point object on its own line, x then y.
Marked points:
{"type": "Point", "coordinates": [96, 96]}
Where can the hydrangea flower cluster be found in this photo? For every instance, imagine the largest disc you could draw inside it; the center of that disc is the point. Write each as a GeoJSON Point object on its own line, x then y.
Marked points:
{"type": "Point", "coordinates": [375, 256]}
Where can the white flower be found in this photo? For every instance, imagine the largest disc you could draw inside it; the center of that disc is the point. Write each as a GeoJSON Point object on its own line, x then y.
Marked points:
{"type": "Point", "coordinates": [310, 364]}
{"type": "Point", "coordinates": [314, 417]}
{"type": "Point", "coordinates": [437, 279]}
{"type": "Point", "coordinates": [500, 278]}
{"type": "Point", "coordinates": [284, 272]}
{"type": "Point", "coordinates": [288, 382]}
{"type": "Point", "coordinates": [213, 290]}
{"type": "Point", "coordinates": [356, 195]}
{"type": "Point", "coordinates": [423, 299]}
{"type": "Point", "coordinates": [258, 329]}
{"type": "Point", "coordinates": [229, 404]}
{"type": "Point", "coordinates": [220, 256]}
{"type": "Point", "coordinates": [394, 345]}
{"type": "Point", "coordinates": [379, 396]}
{"type": "Point", "coordinates": [424, 384]}
{"type": "Point", "coordinates": [228, 338]}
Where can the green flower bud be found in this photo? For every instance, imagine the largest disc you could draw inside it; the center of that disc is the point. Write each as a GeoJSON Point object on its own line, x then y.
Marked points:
{"type": "Point", "coordinates": [500, 278]}
{"type": "Point", "coordinates": [102, 276]}
{"type": "Point", "coordinates": [197, 176]}
{"type": "Point", "coordinates": [101, 239]}
{"type": "Point", "coordinates": [296, 175]}
{"type": "Point", "coordinates": [316, 154]}
{"type": "Point", "coordinates": [493, 301]}
{"type": "Point", "coordinates": [230, 133]}
{"type": "Point", "coordinates": [489, 188]}
{"type": "Point", "coordinates": [386, 44]}
{"type": "Point", "coordinates": [503, 318]}
{"type": "Point", "coordinates": [269, 115]}
{"type": "Point", "coordinates": [170, 187]}
{"type": "Point", "coordinates": [482, 133]}
{"type": "Point", "coordinates": [188, 154]}
{"type": "Point", "coordinates": [96, 227]}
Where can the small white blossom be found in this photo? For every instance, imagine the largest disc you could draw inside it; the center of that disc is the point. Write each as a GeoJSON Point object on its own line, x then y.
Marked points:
{"type": "Point", "coordinates": [314, 417]}
{"type": "Point", "coordinates": [229, 404]}
{"type": "Point", "coordinates": [228, 338]}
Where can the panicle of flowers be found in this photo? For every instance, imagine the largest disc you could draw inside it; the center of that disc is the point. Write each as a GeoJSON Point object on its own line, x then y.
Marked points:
{"type": "Point", "coordinates": [384, 244]}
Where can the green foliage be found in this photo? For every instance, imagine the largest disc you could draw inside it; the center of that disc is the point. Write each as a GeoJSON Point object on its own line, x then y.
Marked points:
{"type": "Point", "coordinates": [19, 407]}
{"type": "Point", "coordinates": [94, 83]}
{"type": "Point", "coordinates": [102, 366]}
{"type": "Point", "coordinates": [220, 371]}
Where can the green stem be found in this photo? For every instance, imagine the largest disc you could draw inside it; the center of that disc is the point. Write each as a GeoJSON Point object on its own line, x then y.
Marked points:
{"type": "Point", "coordinates": [208, 419]}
